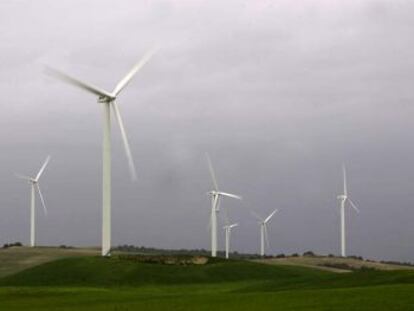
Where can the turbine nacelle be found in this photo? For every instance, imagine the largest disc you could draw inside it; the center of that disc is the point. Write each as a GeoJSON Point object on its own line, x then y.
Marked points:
{"type": "Point", "coordinates": [342, 197]}
{"type": "Point", "coordinates": [213, 193]}
{"type": "Point", "coordinates": [229, 227]}
{"type": "Point", "coordinates": [105, 99]}
{"type": "Point", "coordinates": [225, 194]}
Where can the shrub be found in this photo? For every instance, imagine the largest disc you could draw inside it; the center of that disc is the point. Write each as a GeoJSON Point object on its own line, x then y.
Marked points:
{"type": "Point", "coordinates": [309, 254]}
{"type": "Point", "coordinates": [7, 245]}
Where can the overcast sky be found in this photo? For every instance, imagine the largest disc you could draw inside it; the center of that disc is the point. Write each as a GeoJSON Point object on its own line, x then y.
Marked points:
{"type": "Point", "coordinates": [280, 93]}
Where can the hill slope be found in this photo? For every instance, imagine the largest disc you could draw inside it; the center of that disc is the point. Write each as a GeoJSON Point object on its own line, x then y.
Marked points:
{"type": "Point", "coordinates": [15, 259]}
{"type": "Point", "coordinates": [119, 283]}
{"type": "Point", "coordinates": [334, 264]}
{"type": "Point", "coordinates": [118, 271]}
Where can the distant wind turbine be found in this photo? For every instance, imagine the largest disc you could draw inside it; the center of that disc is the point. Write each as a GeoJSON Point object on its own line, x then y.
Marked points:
{"type": "Point", "coordinates": [34, 182]}
{"type": "Point", "coordinates": [227, 230]}
{"type": "Point", "coordinates": [107, 99]}
{"type": "Point", "coordinates": [215, 206]}
{"type": "Point", "coordinates": [263, 231]}
{"type": "Point", "coordinates": [343, 198]}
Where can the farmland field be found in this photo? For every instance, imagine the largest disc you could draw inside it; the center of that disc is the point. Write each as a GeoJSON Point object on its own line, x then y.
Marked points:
{"type": "Point", "coordinates": [88, 282]}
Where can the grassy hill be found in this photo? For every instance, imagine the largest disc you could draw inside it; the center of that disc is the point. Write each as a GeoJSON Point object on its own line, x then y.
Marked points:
{"type": "Point", "coordinates": [15, 259]}
{"type": "Point", "coordinates": [123, 283]}
{"type": "Point", "coordinates": [334, 264]}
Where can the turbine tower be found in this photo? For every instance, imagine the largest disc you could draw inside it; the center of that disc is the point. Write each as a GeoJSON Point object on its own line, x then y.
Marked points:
{"type": "Point", "coordinates": [107, 99]}
{"type": "Point", "coordinates": [34, 183]}
{"type": "Point", "coordinates": [227, 230]}
{"type": "Point", "coordinates": [263, 231]}
{"type": "Point", "coordinates": [343, 198]}
{"type": "Point", "coordinates": [215, 206]}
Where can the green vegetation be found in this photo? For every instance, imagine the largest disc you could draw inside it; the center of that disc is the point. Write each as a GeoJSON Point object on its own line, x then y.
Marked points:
{"type": "Point", "coordinates": [123, 283]}
{"type": "Point", "coordinates": [15, 259]}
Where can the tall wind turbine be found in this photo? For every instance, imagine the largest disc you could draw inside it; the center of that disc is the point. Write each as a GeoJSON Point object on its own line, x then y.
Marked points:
{"type": "Point", "coordinates": [34, 182]}
{"type": "Point", "coordinates": [107, 99]}
{"type": "Point", "coordinates": [227, 230]}
{"type": "Point", "coordinates": [215, 206]}
{"type": "Point", "coordinates": [263, 230]}
{"type": "Point", "coordinates": [343, 198]}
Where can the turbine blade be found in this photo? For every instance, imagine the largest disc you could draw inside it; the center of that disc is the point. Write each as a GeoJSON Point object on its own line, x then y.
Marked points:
{"type": "Point", "coordinates": [71, 80]}
{"type": "Point", "coordinates": [23, 177]}
{"type": "Point", "coordinates": [266, 235]}
{"type": "Point", "coordinates": [128, 77]}
{"type": "Point", "coordinates": [128, 153]}
{"type": "Point", "coordinates": [270, 216]}
{"type": "Point", "coordinates": [209, 222]}
{"type": "Point", "coordinates": [212, 174]}
{"type": "Point", "coordinates": [344, 174]}
{"type": "Point", "coordinates": [41, 198]}
{"type": "Point", "coordinates": [234, 196]}
{"type": "Point", "coordinates": [218, 203]}
{"type": "Point", "coordinates": [42, 168]}
{"type": "Point", "coordinates": [353, 205]}
{"type": "Point", "coordinates": [234, 225]}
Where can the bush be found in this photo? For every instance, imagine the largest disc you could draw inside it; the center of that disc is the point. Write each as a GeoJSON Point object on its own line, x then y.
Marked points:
{"type": "Point", "coordinates": [65, 246]}
{"type": "Point", "coordinates": [7, 245]}
{"type": "Point", "coordinates": [295, 255]}
{"type": "Point", "coordinates": [281, 256]}
{"type": "Point", "coordinates": [309, 254]}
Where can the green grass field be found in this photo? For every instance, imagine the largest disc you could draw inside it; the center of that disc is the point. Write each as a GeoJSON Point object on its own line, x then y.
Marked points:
{"type": "Point", "coordinates": [94, 283]}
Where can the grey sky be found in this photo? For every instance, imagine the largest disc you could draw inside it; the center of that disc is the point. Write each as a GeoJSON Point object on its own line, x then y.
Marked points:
{"type": "Point", "coordinates": [280, 94]}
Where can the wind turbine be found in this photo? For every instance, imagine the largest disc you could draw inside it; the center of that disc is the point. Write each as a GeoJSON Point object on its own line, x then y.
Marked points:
{"type": "Point", "coordinates": [343, 198]}
{"type": "Point", "coordinates": [227, 230]}
{"type": "Point", "coordinates": [215, 206]}
{"type": "Point", "coordinates": [263, 230]}
{"type": "Point", "coordinates": [34, 182]}
{"type": "Point", "coordinates": [107, 99]}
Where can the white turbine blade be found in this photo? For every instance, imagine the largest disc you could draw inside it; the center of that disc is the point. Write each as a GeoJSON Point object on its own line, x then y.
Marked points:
{"type": "Point", "coordinates": [83, 85]}
{"type": "Point", "coordinates": [233, 225]}
{"type": "Point", "coordinates": [234, 196]}
{"type": "Point", "coordinates": [42, 168]}
{"type": "Point", "coordinates": [121, 84]}
{"type": "Point", "coordinates": [209, 224]}
{"type": "Point", "coordinates": [353, 205]}
{"type": "Point", "coordinates": [344, 174]}
{"type": "Point", "coordinates": [41, 198]}
{"type": "Point", "coordinates": [125, 141]}
{"type": "Point", "coordinates": [266, 235]}
{"type": "Point", "coordinates": [23, 177]}
{"type": "Point", "coordinates": [270, 216]}
{"type": "Point", "coordinates": [217, 202]}
{"type": "Point", "coordinates": [212, 174]}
